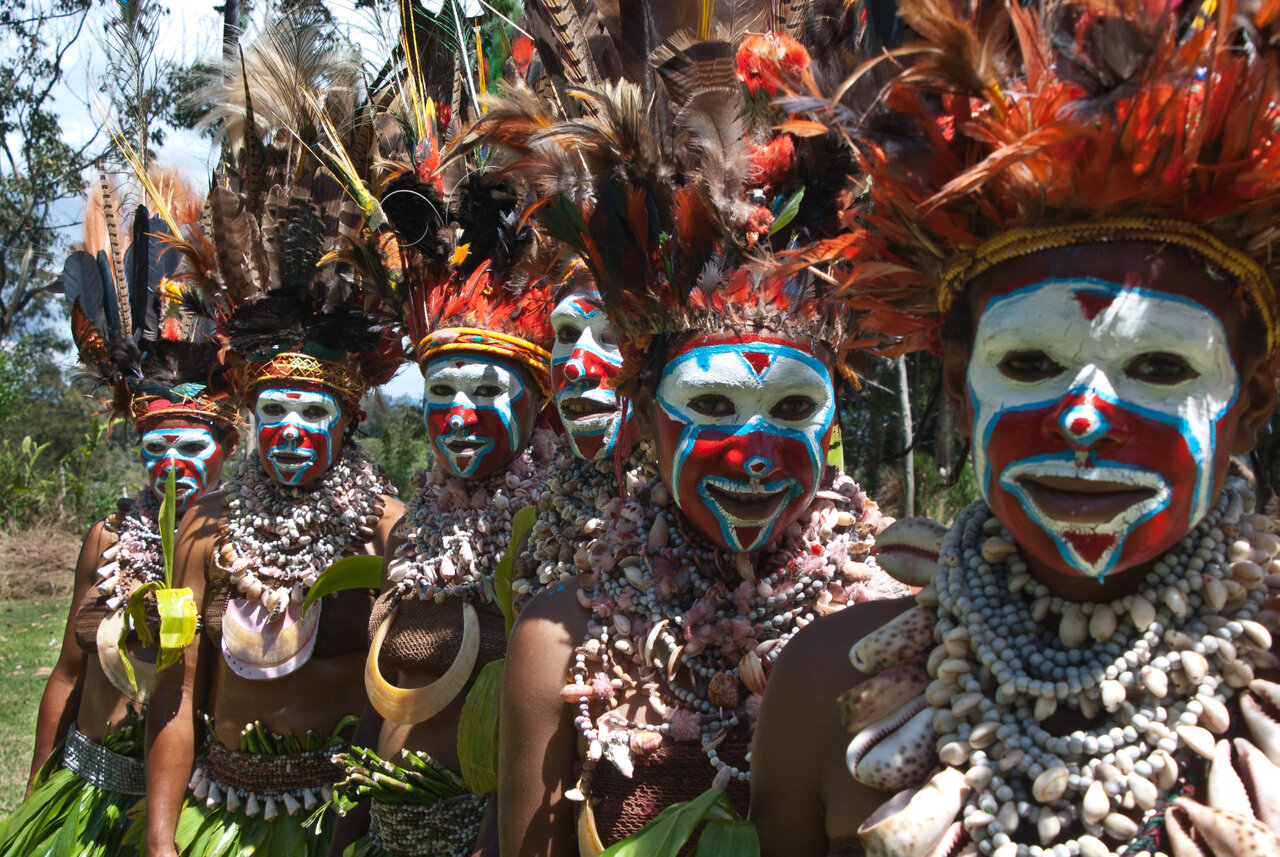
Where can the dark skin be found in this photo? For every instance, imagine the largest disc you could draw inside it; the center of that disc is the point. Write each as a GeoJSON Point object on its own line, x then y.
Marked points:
{"type": "Point", "coordinates": [78, 691]}
{"type": "Point", "coordinates": [802, 795]}
{"type": "Point", "coordinates": [316, 696]}
{"type": "Point", "coordinates": [437, 737]}
{"type": "Point", "coordinates": [540, 748]}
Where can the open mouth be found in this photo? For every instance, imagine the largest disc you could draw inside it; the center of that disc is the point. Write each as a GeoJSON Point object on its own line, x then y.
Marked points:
{"type": "Point", "coordinates": [467, 446]}
{"type": "Point", "coordinates": [1089, 495]}
{"type": "Point", "coordinates": [581, 408]}
{"type": "Point", "coordinates": [290, 460]}
{"type": "Point", "coordinates": [748, 504]}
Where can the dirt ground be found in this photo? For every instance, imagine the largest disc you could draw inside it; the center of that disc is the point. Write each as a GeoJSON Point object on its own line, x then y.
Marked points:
{"type": "Point", "coordinates": [37, 563]}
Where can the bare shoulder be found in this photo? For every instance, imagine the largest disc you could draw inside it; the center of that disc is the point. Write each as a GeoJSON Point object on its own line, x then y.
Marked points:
{"type": "Point", "coordinates": [554, 617]}
{"type": "Point", "coordinates": [202, 519]}
{"type": "Point", "coordinates": [827, 640]}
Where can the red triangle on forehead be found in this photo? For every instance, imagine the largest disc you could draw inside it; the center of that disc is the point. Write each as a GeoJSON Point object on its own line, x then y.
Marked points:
{"type": "Point", "coordinates": [1090, 546]}
{"type": "Point", "coordinates": [1092, 303]}
{"type": "Point", "coordinates": [458, 364]}
{"type": "Point", "coordinates": [293, 395]}
{"type": "Point", "coordinates": [758, 360]}
{"type": "Point", "coordinates": [583, 305]}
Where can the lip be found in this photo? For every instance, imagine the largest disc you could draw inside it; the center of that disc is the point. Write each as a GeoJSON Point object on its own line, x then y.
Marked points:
{"type": "Point", "coordinates": [1083, 501]}
{"type": "Point", "coordinates": [468, 445]}
{"type": "Point", "coordinates": [748, 504]}
{"type": "Point", "coordinates": [586, 408]}
{"type": "Point", "coordinates": [291, 460]}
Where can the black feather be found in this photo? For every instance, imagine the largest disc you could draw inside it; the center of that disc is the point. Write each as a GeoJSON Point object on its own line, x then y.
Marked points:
{"type": "Point", "coordinates": [137, 268]}
{"type": "Point", "coordinates": [82, 280]}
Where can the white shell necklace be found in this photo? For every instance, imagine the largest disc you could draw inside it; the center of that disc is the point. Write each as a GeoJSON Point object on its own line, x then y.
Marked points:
{"type": "Point", "coordinates": [1158, 665]}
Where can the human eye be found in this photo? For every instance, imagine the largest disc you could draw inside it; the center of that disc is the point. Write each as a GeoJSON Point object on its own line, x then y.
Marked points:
{"type": "Point", "coordinates": [271, 409]}
{"type": "Point", "coordinates": [796, 407]}
{"type": "Point", "coordinates": [154, 448]}
{"type": "Point", "coordinates": [1160, 367]}
{"type": "Point", "coordinates": [567, 334]}
{"type": "Point", "coordinates": [315, 412]}
{"type": "Point", "coordinates": [1029, 365]}
{"type": "Point", "coordinates": [192, 448]}
{"type": "Point", "coordinates": [488, 391]}
{"type": "Point", "coordinates": [712, 405]}
{"type": "Point", "coordinates": [442, 391]}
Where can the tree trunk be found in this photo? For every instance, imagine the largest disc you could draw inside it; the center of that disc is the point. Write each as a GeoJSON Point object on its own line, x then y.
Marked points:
{"type": "Point", "coordinates": [908, 463]}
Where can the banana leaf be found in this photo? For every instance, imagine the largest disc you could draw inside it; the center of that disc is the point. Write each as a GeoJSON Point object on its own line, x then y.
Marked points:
{"type": "Point", "coordinates": [177, 608]}
{"type": "Point", "coordinates": [478, 731]}
{"type": "Point", "coordinates": [352, 572]}
{"type": "Point", "coordinates": [674, 827]}
{"type": "Point", "coordinates": [168, 522]}
{"type": "Point", "coordinates": [725, 837]}
{"type": "Point", "coordinates": [521, 522]}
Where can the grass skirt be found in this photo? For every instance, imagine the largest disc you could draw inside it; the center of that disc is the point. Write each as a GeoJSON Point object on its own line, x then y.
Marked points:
{"type": "Point", "coordinates": [67, 816]}
{"type": "Point", "coordinates": [420, 809]}
{"type": "Point", "coordinates": [270, 798]}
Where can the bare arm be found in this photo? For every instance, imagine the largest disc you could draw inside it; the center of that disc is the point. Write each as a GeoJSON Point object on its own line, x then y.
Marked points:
{"type": "Point", "coordinates": [180, 690]}
{"type": "Point", "coordinates": [802, 795]}
{"type": "Point", "coordinates": [538, 745]}
{"type": "Point", "coordinates": [61, 696]}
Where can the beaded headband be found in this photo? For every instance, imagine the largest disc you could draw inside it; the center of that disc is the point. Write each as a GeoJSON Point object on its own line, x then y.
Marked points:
{"type": "Point", "coordinates": [305, 369]}
{"type": "Point", "coordinates": [493, 342]}
{"type": "Point", "coordinates": [968, 266]}
{"type": "Point", "coordinates": [198, 407]}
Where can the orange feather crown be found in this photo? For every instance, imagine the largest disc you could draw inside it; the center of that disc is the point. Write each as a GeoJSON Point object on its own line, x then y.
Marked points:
{"type": "Point", "coordinates": [1083, 123]}
{"type": "Point", "coordinates": [677, 206]}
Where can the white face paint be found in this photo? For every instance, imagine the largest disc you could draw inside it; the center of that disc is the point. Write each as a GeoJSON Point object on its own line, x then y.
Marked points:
{"type": "Point", "coordinates": [584, 358]}
{"type": "Point", "coordinates": [476, 408]}
{"type": "Point", "coordinates": [189, 452]}
{"type": "Point", "coordinates": [742, 430]}
{"type": "Point", "coordinates": [296, 429]}
{"type": "Point", "coordinates": [1110, 396]}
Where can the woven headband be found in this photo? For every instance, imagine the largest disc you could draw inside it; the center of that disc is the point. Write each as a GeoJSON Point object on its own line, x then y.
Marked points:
{"type": "Point", "coordinates": [963, 269]}
{"type": "Point", "coordinates": [304, 369]}
{"type": "Point", "coordinates": [475, 340]}
{"type": "Point", "coordinates": [198, 407]}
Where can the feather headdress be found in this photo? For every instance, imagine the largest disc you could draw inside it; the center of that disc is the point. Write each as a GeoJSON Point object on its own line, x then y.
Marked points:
{"type": "Point", "coordinates": [473, 276]}
{"type": "Point", "coordinates": [1081, 123]}
{"type": "Point", "coordinates": [678, 221]}
{"type": "Point", "coordinates": [286, 215]}
{"type": "Point", "coordinates": [133, 336]}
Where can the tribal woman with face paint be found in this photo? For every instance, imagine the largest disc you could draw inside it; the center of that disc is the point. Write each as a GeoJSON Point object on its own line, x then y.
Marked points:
{"type": "Point", "coordinates": [252, 713]}
{"type": "Point", "coordinates": [636, 684]}
{"type": "Point", "coordinates": [160, 365]}
{"type": "Point", "coordinates": [1088, 667]}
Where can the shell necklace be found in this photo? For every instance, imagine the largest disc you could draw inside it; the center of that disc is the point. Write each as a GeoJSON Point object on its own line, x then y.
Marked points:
{"type": "Point", "coordinates": [456, 531]}
{"type": "Point", "coordinates": [1158, 665]}
{"type": "Point", "coordinates": [276, 540]}
{"type": "Point", "coordinates": [672, 616]}
{"type": "Point", "coordinates": [580, 499]}
{"type": "Point", "coordinates": [136, 557]}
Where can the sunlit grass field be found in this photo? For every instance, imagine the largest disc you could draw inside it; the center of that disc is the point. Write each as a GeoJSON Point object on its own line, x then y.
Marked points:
{"type": "Point", "coordinates": [30, 634]}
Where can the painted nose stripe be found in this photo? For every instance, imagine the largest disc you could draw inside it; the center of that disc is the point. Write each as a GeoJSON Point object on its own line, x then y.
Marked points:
{"type": "Point", "coordinates": [573, 369]}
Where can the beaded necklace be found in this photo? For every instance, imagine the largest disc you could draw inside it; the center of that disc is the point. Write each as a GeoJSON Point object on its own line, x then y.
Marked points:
{"type": "Point", "coordinates": [456, 531]}
{"type": "Point", "coordinates": [673, 616]}
{"type": "Point", "coordinates": [1158, 665]}
{"type": "Point", "coordinates": [277, 539]}
{"type": "Point", "coordinates": [580, 499]}
{"type": "Point", "coordinates": [136, 557]}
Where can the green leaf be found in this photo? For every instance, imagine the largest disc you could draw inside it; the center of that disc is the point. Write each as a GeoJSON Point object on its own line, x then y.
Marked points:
{"type": "Point", "coordinates": [727, 837]}
{"type": "Point", "coordinates": [521, 522]}
{"type": "Point", "coordinates": [352, 572]}
{"type": "Point", "coordinates": [788, 212]}
{"type": "Point", "coordinates": [835, 454]}
{"type": "Point", "coordinates": [167, 519]}
{"type": "Point", "coordinates": [478, 731]}
{"type": "Point", "coordinates": [177, 608]}
{"type": "Point", "coordinates": [671, 829]}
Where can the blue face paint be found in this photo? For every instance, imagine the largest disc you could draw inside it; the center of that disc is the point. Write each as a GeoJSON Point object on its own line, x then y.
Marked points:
{"type": "Point", "coordinates": [191, 453]}
{"type": "Point", "coordinates": [298, 433]}
{"type": "Point", "coordinates": [477, 412]}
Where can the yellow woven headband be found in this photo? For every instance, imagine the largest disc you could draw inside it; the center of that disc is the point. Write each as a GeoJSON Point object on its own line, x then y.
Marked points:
{"type": "Point", "coordinates": [475, 340]}
{"type": "Point", "coordinates": [293, 366]}
{"type": "Point", "coordinates": [963, 269]}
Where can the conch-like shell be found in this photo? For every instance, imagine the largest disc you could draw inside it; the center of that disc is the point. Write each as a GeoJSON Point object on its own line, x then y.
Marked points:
{"type": "Point", "coordinates": [881, 695]}
{"type": "Point", "coordinates": [896, 750]}
{"type": "Point", "coordinates": [112, 661]}
{"type": "Point", "coordinates": [896, 641]}
{"type": "Point", "coordinates": [416, 705]}
{"type": "Point", "coordinates": [1223, 832]}
{"type": "Point", "coordinates": [1245, 780]}
{"type": "Point", "coordinates": [257, 647]}
{"type": "Point", "coordinates": [914, 822]}
{"type": "Point", "coordinates": [908, 550]}
{"type": "Point", "coordinates": [1258, 706]}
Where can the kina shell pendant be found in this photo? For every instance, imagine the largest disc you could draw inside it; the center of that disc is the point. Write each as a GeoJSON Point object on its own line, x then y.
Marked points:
{"type": "Point", "coordinates": [258, 648]}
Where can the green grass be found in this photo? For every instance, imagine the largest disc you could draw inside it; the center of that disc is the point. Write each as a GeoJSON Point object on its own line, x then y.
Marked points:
{"type": "Point", "coordinates": [30, 634]}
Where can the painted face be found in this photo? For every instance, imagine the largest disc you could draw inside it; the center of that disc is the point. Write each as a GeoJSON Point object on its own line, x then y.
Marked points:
{"type": "Point", "coordinates": [479, 413]}
{"type": "Point", "coordinates": [1099, 414]}
{"type": "Point", "coordinates": [583, 360]}
{"type": "Point", "coordinates": [299, 433]}
{"type": "Point", "coordinates": [743, 425]}
{"type": "Point", "coordinates": [193, 455]}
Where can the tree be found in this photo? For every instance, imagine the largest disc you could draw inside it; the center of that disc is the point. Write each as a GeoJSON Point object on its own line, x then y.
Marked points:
{"type": "Point", "coordinates": [38, 168]}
